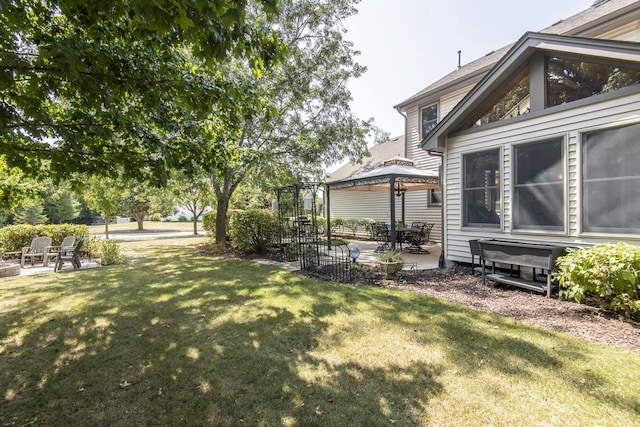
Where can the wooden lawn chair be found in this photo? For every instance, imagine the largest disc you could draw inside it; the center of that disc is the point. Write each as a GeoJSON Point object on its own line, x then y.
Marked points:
{"type": "Point", "coordinates": [52, 251]}
{"type": "Point", "coordinates": [37, 248]}
{"type": "Point", "coordinates": [70, 254]}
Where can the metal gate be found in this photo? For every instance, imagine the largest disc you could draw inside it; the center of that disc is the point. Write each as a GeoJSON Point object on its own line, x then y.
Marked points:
{"type": "Point", "coordinates": [299, 234]}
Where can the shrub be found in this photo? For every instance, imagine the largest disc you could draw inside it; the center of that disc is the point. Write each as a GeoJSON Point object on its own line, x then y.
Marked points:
{"type": "Point", "coordinates": [337, 222]}
{"type": "Point", "coordinates": [353, 224]}
{"type": "Point", "coordinates": [209, 222]}
{"type": "Point", "coordinates": [15, 237]}
{"type": "Point", "coordinates": [609, 272]}
{"type": "Point", "coordinates": [253, 230]}
{"type": "Point", "coordinates": [110, 252]}
{"type": "Point", "coordinates": [155, 217]}
{"type": "Point", "coordinates": [182, 218]}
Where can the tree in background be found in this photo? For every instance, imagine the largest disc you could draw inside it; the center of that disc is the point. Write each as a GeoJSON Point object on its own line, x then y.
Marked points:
{"type": "Point", "coordinates": [61, 206]}
{"type": "Point", "coordinates": [140, 199]}
{"type": "Point", "coordinates": [30, 212]}
{"type": "Point", "coordinates": [125, 87]}
{"type": "Point", "coordinates": [307, 121]}
{"type": "Point", "coordinates": [195, 193]}
{"type": "Point", "coordinates": [103, 195]}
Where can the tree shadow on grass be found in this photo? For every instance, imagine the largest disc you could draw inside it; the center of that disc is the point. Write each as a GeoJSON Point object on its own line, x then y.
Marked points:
{"type": "Point", "coordinates": [176, 338]}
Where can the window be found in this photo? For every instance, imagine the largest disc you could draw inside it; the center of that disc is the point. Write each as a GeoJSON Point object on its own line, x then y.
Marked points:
{"type": "Point", "coordinates": [569, 79]}
{"type": "Point", "coordinates": [538, 190]}
{"type": "Point", "coordinates": [611, 180]}
{"type": "Point", "coordinates": [481, 189]}
{"type": "Point", "coordinates": [429, 119]}
{"type": "Point", "coordinates": [510, 100]}
{"type": "Point", "coordinates": [435, 198]}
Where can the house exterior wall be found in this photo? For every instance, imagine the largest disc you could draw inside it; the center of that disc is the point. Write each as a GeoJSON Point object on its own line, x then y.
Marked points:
{"type": "Point", "coordinates": [568, 123]}
{"type": "Point", "coordinates": [375, 205]}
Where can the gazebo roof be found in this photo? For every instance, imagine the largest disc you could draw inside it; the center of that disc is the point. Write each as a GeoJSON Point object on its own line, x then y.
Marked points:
{"type": "Point", "coordinates": [399, 169]}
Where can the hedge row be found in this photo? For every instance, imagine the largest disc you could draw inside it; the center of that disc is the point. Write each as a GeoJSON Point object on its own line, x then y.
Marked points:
{"type": "Point", "coordinates": [15, 237]}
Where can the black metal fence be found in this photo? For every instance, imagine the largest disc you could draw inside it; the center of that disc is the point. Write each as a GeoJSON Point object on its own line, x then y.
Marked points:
{"type": "Point", "coordinates": [299, 231]}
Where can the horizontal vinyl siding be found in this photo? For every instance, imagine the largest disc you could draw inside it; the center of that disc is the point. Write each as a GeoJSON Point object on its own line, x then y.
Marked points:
{"type": "Point", "coordinates": [568, 123]}
{"type": "Point", "coordinates": [360, 205]}
{"type": "Point", "coordinates": [628, 33]}
{"type": "Point", "coordinates": [450, 100]}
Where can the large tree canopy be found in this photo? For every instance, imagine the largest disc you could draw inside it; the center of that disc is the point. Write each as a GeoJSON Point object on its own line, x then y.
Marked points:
{"type": "Point", "coordinates": [309, 123]}
{"type": "Point", "coordinates": [125, 85]}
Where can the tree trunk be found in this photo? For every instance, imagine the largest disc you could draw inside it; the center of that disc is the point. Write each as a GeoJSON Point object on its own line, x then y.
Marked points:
{"type": "Point", "coordinates": [195, 225]}
{"type": "Point", "coordinates": [106, 227]}
{"type": "Point", "coordinates": [140, 221]}
{"type": "Point", "coordinates": [221, 220]}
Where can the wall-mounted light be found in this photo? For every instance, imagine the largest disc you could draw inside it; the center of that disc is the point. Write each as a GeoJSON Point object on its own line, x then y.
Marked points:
{"type": "Point", "coordinates": [400, 189]}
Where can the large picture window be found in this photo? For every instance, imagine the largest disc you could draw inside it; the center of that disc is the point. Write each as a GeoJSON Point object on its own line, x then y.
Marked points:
{"type": "Point", "coordinates": [428, 119]}
{"type": "Point", "coordinates": [611, 181]}
{"type": "Point", "coordinates": [538, 189]}
{"type": "Point", "coordinates": [481, 189]}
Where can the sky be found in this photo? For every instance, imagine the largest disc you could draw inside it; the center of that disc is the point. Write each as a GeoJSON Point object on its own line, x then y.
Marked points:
{"type": "Point", "coordinates": [408, 44]}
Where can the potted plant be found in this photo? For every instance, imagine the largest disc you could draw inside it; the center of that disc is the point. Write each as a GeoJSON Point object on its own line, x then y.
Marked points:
{"type": "Point", "coordinates": [390, 262]}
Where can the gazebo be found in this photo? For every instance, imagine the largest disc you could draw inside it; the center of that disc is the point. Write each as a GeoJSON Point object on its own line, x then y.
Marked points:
{"type": "Point", "coordinates": [396, 176]}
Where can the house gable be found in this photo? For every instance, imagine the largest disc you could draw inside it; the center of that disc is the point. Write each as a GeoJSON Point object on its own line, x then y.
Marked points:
{"type": "Point", "coordinates": [528, 52]}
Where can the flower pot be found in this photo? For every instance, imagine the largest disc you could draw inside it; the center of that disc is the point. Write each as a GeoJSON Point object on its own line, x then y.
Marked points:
{"type": "Point", "coordinates": [390, 267]}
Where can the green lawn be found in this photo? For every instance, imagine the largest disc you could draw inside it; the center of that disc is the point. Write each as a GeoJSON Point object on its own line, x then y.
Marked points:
{"type": "Point", "coordinates": [177, 338]}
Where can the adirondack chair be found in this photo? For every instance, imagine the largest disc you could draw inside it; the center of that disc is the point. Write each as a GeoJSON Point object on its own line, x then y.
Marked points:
{"type": "Point", "coordinates": [69, 254]}
{"type": "Point", "coordinates": [52, 251]}
{"type": "Point", "coordinates": [37, 249]}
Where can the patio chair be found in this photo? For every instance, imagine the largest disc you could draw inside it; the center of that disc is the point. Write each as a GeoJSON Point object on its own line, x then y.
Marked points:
{"type": "Point", "coordinates": [383, 236]}
{"type": "Point", "coordinates": [52, 251]}
{"type": "Point", "coordinates": [419, 237]}
{"type": "Point", "coordinates": [37, 249]}
{"type": "Point", "coordinates": [69, 254]}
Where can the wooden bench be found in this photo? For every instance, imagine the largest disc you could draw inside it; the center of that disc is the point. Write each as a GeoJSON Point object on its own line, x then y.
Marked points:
{"type": "Point", "coordinates": [533, 255]}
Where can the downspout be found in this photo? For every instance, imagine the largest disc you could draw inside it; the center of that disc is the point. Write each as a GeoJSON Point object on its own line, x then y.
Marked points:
{"type": "Point", "coordinates": [441, 261]}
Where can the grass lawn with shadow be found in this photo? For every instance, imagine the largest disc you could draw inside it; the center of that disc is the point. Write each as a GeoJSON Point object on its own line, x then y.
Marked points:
{"type": "Point", "coordinates": [173, 337]}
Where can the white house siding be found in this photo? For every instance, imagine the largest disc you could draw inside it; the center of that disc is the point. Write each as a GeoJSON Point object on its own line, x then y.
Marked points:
{"type": "Point", "coordinates": [422, 159]}
{"type": "Point", "coordinates": [629, 33]}
{"type": "Point", "coordinates": [568, 123]}
{"type": "Point", "coordinates": [450, 100]}
{"type": "Point", "coordinates": [375, 205]}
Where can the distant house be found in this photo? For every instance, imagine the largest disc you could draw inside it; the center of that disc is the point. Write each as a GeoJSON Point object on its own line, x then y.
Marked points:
{"type": "Point", "coordinates": [419, 205]}
{"type": "Point", "coordinates": [540, 140]}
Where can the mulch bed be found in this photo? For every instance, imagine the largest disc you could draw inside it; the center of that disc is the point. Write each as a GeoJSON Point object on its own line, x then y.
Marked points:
{"type": "Point", "coordinates": [584, 321]}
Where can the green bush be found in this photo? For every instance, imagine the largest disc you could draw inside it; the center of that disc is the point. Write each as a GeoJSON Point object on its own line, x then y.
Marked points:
{"type": "Point", "coordinates": [15, 237]}
{"type": "Point", "coordinates": [253, 230]}
{"type": "Point", "coordinates": [353, 224]}
{"type": "Point", "coordinates": [609, 272]}
{"type": "Point", "coordinates": [337, 222]}
{"type": "Point", "coordinates": [209, 222]}
{"type": "Point", "coordinates": [110, 252]}
{"type": "Point", "coordinates": [155, 217]}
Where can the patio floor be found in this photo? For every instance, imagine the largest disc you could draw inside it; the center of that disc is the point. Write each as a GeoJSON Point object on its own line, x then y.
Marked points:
{"type": "Point", "coordinates": [421, 261]}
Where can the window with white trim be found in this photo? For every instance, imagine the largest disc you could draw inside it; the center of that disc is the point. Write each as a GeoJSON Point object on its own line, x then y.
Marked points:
{"type": "Point", "coordinates": [428, 119]}
{"type": "Point", "coordinates": [481, 189]}
{"type": "Point", "coordinates": [435, 198]}
{"type": "Point", "coordinates": [538, 188]}
{"type": "Point", "coordinates": [611, 180]}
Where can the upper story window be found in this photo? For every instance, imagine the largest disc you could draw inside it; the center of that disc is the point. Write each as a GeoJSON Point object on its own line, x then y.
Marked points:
{"type": "Point", "coordinates": [510, 100]}
{"type": "Point", "coordinates": [481, 189]}
{"type": "Point", "coordinates": [538, 189]}
{"type": "Point", "coordinates": [611, 181]}
{"type": "Point", "coordinates": [428, 119]}
{"type": "Point", "coordinates": [568, 80]}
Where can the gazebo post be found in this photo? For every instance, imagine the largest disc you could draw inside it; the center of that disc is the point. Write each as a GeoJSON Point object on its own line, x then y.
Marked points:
{"type": "Point", "coordinates": [392, 184]}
